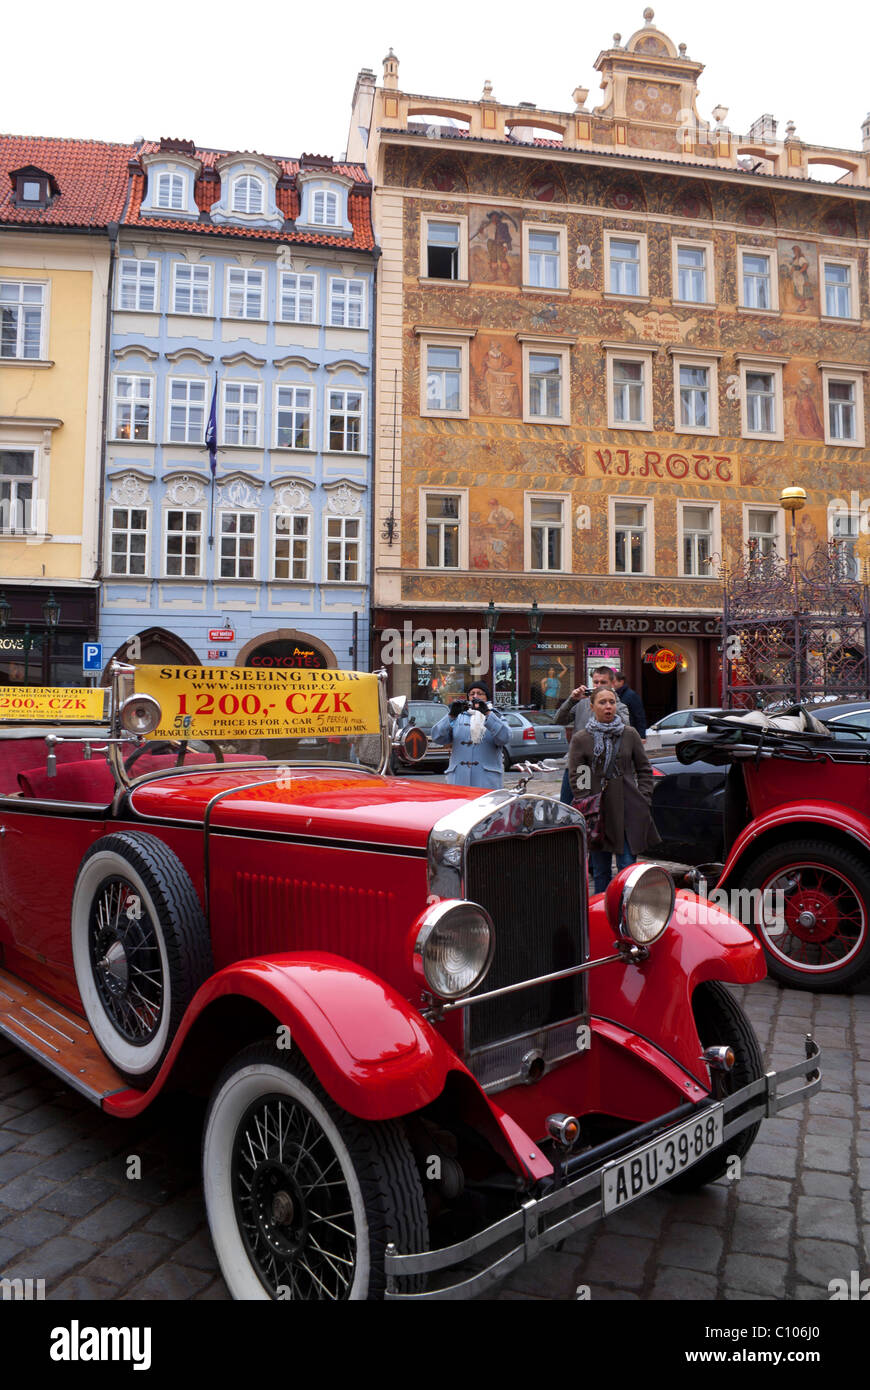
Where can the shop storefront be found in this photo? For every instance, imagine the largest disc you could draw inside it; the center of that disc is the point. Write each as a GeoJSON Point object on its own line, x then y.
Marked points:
{"type": "Point", "coordinates": [434, 655]}
{"type": "Point", "coordinates": [42, 631]}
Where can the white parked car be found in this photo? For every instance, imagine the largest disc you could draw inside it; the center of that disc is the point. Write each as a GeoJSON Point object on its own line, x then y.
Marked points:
{"type": "Point", "coordinates": [675, 727]}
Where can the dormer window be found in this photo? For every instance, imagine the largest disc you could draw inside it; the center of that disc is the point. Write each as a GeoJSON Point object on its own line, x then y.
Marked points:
{"type": "Point", "coordinates": [171, 178]}
{"type": "Point", "coordinates": [31, 190]}
{"type": "Point", "coordinates": [33, 187]}
{"type": "Point", "coordinates": [324, 208]}
{"type": "Point", "coordinates": [170, 192]}
{"type": "Point", "coordinates": [248, 194]}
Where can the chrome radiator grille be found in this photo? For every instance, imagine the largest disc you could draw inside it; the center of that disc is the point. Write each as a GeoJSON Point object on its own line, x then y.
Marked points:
{"type": "Point", "coordinates": [534, 888]}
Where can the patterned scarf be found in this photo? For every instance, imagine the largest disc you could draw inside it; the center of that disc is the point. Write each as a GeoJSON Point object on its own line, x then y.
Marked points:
{"type": "Point", "coordinates": [605, 740]}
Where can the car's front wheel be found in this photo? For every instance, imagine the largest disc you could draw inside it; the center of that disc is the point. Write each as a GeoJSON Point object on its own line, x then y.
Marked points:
{"type": "Point", "coordinates": [303, 1198]}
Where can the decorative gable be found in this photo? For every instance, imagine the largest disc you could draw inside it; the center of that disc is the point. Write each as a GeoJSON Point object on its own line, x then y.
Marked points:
{"type": "Point", "coordinates": [171, 175]}
{"type": "Point", "coordinates": [323, 194]}
{"type": "Point", "coordinates": [248, 184]}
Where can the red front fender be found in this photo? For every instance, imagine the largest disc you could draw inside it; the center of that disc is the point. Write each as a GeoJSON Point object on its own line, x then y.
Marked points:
{"type": "Point", "coordinates": [799, 816]}
{"type": "Point", "coordinates": [372, 1052]}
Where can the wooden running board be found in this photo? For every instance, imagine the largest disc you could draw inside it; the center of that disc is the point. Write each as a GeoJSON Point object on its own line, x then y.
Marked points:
{"type": "Point", "coordinates": [59, 1039]}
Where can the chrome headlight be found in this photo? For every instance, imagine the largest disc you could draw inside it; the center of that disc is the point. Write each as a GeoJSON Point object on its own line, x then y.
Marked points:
{"type": "Point", "coordinates": [453, 947]}
{"type": "Point", "coordinates": [647, 902]}
{"type": "Point", "coordinates": [140, 714]}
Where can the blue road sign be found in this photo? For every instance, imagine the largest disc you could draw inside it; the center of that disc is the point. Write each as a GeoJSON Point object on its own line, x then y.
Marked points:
{"type": "Point", "coordinates": [92, 657]}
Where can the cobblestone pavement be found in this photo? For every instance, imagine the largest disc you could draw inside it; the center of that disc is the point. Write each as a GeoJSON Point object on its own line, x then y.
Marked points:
{"type": "Point", "coordinates": [799, 1216]}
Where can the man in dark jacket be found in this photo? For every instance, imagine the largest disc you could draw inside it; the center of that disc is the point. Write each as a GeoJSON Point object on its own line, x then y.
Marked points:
{"type": "Point", "coordinates": [633, 704]}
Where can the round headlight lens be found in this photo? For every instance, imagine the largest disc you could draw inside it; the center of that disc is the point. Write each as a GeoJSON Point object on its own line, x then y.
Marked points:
{"type": "Point", "coordinates": [454, 948]}
{"type": "Point", "coordinates": [647, 903]}
{"type": "Point", "coordinates": [140, 714]}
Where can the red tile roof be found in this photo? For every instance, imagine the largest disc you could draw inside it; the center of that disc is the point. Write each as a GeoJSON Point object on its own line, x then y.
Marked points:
{"type": "Point", "coordinates": [91, 175]}
{"type": "Point", "coordinates": [207, 192]}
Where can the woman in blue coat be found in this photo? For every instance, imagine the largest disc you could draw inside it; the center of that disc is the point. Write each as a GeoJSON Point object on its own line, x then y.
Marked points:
{"type": "Point", "coordinates": [478, 735]}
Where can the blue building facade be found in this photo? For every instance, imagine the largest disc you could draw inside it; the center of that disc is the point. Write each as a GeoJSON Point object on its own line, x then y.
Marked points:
{"type": "Point", "coordinates": [247, 281]}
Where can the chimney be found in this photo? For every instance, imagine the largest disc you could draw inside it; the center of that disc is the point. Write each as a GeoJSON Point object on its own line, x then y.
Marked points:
{"type": "Point", "coordinates": [391, 72]}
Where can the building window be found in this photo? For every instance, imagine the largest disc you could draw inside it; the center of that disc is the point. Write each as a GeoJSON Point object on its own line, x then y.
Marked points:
{"type": "Point", "coordinates": [545, 385]}
{"type": "Point", "coordinates": [241, 416]}
{"type": "Point", "coordinates": [442, 250]}
{"type": "Point", "coordinates": [187, 402]}
{"type": "Point", "coordinates": [631, 543]}
{"type": "Point", "coordinates": [245, 293]}
{"type": "Point", "coordinates": [22, 309]}
{"type": "Point", "coordinates": [324, 208]}
{"type": "Point", "coordinates": [128, 540]}
{"type": "Point", "coordinates": [696, 392]}
{"type": "Point", "coordinates": [343, 549]}
{"type": "Point", "coordinates": [692, 275]}
{"type": "Point", "coordinates": [758, 286]}
{"type": "Point", "coordinates": [298, 297]}
{"type": "Point", "coordinates": [760, 403]}
{"type": "Point", "coordinates": [764, 534]}
{"type": "Point", "coordinates": [844, 405]}
{"type": "Point", "coordinates": [191, 288]}
{"type": "Point", "coordinates": [347, 303]}
{"type": "Point", "coordinates": [698, 538]}
{"type": "Point", "coordinates": [625, 268]}
{"type": "Point", "coordinates": [345, 421]}
{"type": "Point", "coordinates": [17, 490]}
{"type": "Point", "coordinates": [137, 285]}
{"type": "Point", "coordinates": [248, 195]}
{"type": "Point", "coordinates": [546, 533]}
{"type": "Point", "coordinates": [444, 378]}
{"type": "Point", "coordinates": [132, 407]}
{"type": "Point", "coordinates": [183, 543]}
{"type": "Point", "coordinates": [839, 289]}
{"type": "Point", "coordinates": [443, 530]}
{"type": "Point", "coordinates": [545, 257]}
{"type": "Point", "coordinates": [170, 192]}
{"type": "Point", "coordinates": [291, 545]}
{"type": "Point", "coordinates": [845, 530]}
{"type": "Point", "coordinates": [293, 417]}
{"type": "Point", "coordinates": [629, 386]}
{"type": "Point", "coordinates": [238, 538]}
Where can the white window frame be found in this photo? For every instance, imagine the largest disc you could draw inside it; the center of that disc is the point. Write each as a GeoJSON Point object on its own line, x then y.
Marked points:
{"type": "Point", "coordinates": [561, 233]}
{"type": "Point", "coordinates": [345, 294]}
{"type": "Point", "coordinates": [137, 397]}
{"type": "Point", "coordinates": [283, 282]}
{"type": "Point", "coordinates": [324, 199]}
{"type": "Point", "coordinates": [198, 434]}
{"type": "Point", "coordinates": [33, 481]}
{"type": "Point", "coordinates": [128, 531]}
{"type": "Point", "coordinates": [683, 357]}
{"type": "Point", "coordinates": [832, 371]}
{"type": "Point", "coordinates": [242, 187]}
{"type": "Point", "coordinates": [449, 338]}
{"type": "Point", "coordinates": [131, 268]}
{"type": "Point", "coordinates": [855, 531]}
{"type": "Point", "coordinates": [705, 572]}
{"type": "Point", "coordinates": [282, 529]}
{"type": "Point", "coordinates": [220, 535]}
{"type": "Point", "coordinates": [241, 405]}
{"type": "Point", "coordinates": [854, 315]}
{"type": "Point", "coordinates": [772, 277]}
{"type": "Point", "coordinates": [17, 356]}
{"type": "Point", "coordinates": [640, 238]}
{"type": "Point", "coordinates": [749, 366]}
{"type": "Point", "coordinates": [649, 529]}
{"type": "Point", "coordinates": [195, 268]}
{"type": "Point", "coordinates": [175, 201]}
{"type": "Point", "coordinates": [328, 447]}
{"type": "Point", "coordinates": [248, 277]}
{"type": "Point", "coordinates": [291, 405]}
{"type": "Point", "coordinates": [779, 527]}
{"type": "Point", "coordinates": [618, 353]}
{"type": "Point", "coordinates": [460, 221]}
{"type": "Point", "coordinates": [547, 347]}
{"type": "Point", "coordinates": [564, 526]}
{"type": "Point", "coordinates": [462, 494]}
{"type": "Point", "coordinates": [184, 533]}
{"type": "Point", "coordinates": [709, 271]}
{"type": "Point", "coordinates": [337, 519]}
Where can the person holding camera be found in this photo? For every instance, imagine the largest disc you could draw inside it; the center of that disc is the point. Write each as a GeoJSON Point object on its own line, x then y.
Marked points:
{"type": "Point", "coordinates": [477, 735]}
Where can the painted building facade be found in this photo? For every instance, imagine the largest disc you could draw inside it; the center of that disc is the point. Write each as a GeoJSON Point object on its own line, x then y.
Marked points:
{"type": "Point", "coordinates": [58, 201]}
{"type": "Point", "coordinates": [256, 274]}
{"type": "Point", "coordinates": [606, 340]}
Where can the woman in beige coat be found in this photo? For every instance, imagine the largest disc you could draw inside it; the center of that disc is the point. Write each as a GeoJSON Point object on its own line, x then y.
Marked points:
{"type": "Point", "coordinates": [614, 754]}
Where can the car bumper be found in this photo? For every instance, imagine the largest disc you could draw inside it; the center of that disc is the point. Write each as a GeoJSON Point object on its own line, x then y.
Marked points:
{"type": "Point", "coordinates": [553, 1212]}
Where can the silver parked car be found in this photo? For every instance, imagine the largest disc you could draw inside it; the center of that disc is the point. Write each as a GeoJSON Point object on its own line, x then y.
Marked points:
{"type": "Point", "coordinates": [534, 735]}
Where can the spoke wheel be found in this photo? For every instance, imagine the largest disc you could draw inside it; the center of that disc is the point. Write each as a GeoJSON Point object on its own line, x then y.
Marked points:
{"type": "Point", "coordinates": [721, 1021]}
{"type": "Point", "coordinates": [812, 918]}
{"type": "Point", "coordinates": [140, 948]}
{"type": "Point", "coordinates": [303, 1198]}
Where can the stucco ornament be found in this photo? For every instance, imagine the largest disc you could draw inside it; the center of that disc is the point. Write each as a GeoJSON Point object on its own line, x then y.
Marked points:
{"type": "Point", "coordinates": [294, 498]}
{"type": "Point", "coordinates": [128, 491]}
{"type": "Point", "coordinates": [185, 491]}
{"type": "Point", "coordinates": [238, 493]}
{"type": "Point", "coordinates": [344, 501]}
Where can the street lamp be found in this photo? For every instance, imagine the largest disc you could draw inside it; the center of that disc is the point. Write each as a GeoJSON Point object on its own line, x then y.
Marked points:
{"type": "Point", "coordinates": [793, 499]}
{"type": "Point", "coordinates": [51, 616]}
{"type": "Point", "coordinates": [515, 644]}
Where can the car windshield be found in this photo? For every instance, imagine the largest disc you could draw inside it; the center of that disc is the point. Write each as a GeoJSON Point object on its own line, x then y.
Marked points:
{"type": "Point", "coordinates": [426, 714]}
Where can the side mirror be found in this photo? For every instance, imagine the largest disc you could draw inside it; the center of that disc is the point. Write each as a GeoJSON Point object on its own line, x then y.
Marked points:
{"type": "Point", "coordinates": [396, 705]}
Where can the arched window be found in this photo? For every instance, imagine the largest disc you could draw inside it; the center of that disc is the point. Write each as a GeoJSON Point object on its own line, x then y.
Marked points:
{"type": "Point", "coordinates": [324, 208]}
{"type": "Point", "coordinates": [170, 191]}
{"type": "Point", "coordinates": [248, 194]}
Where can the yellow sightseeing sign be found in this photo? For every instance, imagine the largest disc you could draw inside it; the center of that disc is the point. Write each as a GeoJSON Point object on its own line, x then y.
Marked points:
{"type": "Point", "coordinates": [37, 702]}
{"type": "Point", "coordinates": [230, 702]}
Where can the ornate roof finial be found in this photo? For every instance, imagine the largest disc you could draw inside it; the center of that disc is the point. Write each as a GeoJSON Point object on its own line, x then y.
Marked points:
{"type": "Point", "coordinates": [682, 50]}
{"type": "Point", "coordinates": [487, 91]}
{"type": "Point", "coordinates": [617, 40]}
{"type": "Point", "coordinates": [649, 15]}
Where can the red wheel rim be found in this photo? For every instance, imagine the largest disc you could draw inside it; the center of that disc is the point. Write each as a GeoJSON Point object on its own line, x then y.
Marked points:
{"type": "Point", "coordinates": [819, 924]}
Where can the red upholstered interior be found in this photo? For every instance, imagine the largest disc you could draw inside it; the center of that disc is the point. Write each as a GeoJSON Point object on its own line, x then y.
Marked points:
{"type": "Point", "coordinates": [92, 781]}
{"type": "Point", "coordinates": [18, 754]}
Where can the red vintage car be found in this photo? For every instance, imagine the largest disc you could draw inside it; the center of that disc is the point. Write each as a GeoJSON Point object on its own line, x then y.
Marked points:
{"type": "Point", "coordinates": [797, 837]}
{"type": "Point", "coordinates": [429, 1054]}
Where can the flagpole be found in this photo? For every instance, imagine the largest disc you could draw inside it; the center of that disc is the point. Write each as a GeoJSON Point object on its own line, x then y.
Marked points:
{"type": "Point", "coordinates": [211, 445]}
